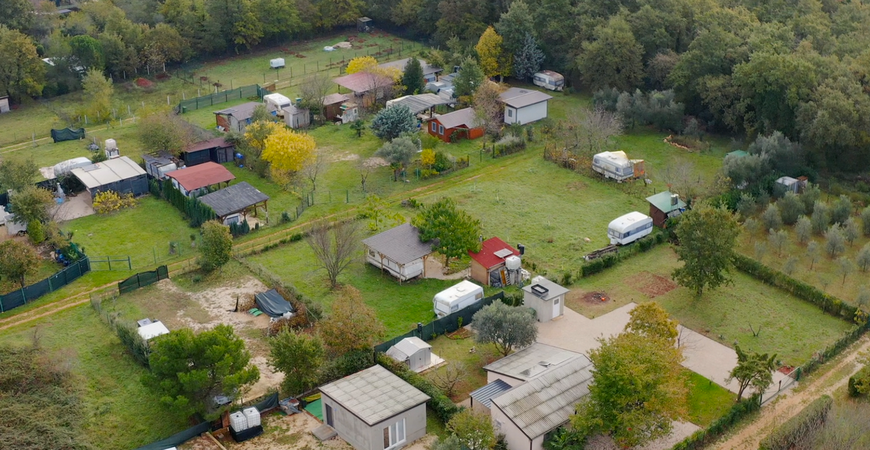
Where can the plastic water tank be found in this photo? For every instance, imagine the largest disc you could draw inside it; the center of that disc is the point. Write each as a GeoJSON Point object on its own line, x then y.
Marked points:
{"type": "Point", "coordinates": [111, 144]}
{"type": "Point", "coordinates": [239, 422]}
{"type": "Point", "coordinates": [253, 417]}
{"type": "Point", "coordinates": [513, 262]}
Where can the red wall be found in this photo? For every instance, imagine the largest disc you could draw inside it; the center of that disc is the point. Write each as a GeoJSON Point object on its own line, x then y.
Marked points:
{"type": "Point", "coordinates": [473, 133]}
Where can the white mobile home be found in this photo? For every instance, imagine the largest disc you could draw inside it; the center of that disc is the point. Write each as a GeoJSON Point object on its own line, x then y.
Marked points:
{"type": "Point", "coordinates": [616, 165]}
{"type": "Point", "coordinates": [457, 297]}
{"type": "Point", "coordinates": [399, 252]}
{"type": "Point", "coordinates": [275, 103]}
{"type": "Point", "coordinates": [550, 80]}
{"type": "Point", "coordinates": [629, 228]}
{"type": "Point", "coordinates": [522, 106]}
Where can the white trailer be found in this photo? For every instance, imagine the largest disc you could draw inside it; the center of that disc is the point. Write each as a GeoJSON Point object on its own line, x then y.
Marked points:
{"type": "Point", "coordinates": [629, 228]}
{"type": "Point", "coordinates": [550, 80]}
{"type": "Point", "coordinates": [275, 103]}
{"type": "Point", "coordinates": [276, 63]}
{"type": "Point", "coordinates": [457, 297]}
{"type": "Point", "coordinates": [616, 165]}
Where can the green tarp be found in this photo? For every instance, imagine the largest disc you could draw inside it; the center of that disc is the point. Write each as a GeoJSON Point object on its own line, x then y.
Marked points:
{"type": "Point", "coordinates": [67, 134]}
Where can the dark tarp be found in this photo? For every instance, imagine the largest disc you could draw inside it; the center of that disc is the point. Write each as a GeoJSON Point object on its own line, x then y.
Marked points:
{"type": "Point", "coordinates": [67, 134]}
{"type": "Point", "coordinates": [273, 304]}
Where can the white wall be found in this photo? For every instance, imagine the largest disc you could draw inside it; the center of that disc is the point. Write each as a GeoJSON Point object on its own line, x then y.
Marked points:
{"type": "Point", "coordinates": [364, 437]}
{"type": "Point", "coordinates": [531, 113]}
{"type": "Point", "coordinates": [402, 272]}
{"type": "Point", "coordinates": [492, 376]}
{"type": "Point", "coordinates": [515, 438]}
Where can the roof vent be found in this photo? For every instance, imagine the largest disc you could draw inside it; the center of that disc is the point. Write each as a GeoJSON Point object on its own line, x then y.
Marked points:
{"type": "Point", "coordinates": [545, 363]}
{"type": "Point", "coordinates": [539, 290]}
{"type": "Point", "coordinates": [675, 199]}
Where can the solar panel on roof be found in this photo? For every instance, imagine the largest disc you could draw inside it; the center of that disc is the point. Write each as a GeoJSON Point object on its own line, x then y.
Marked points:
{"type": "Point", "coordinates": [503, 253]}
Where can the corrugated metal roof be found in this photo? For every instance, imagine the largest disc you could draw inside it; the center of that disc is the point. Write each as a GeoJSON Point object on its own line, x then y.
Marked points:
{"type": "Point", "coordinates": [543, 403]}
{"type": "Point", "coordinates": [532, 361]}
{"type": "Point", "coordinates": [233, 198]}
{"type": "Point", "coordinates": [362, 82]}
{"type": "Point", "coordinates": [486, 256]}
{"type": "Point", "coordinates": [240, 112]}
{"type": "Point", "coordinates": [419, 103]}
{"type": "Point", "coordinates": [460, 118]}
{"type": "Point", "coordinates": [217, 142]}
{"type": "Point", "coordinates": [519, 97]}
{"type": "Point", "coordinates": [374, 394]}
{"type": "Point", "coordinates": [201, 175]}
{"type": "Point", "coordinates": [332, 99]}
{"type": "Point", "coordinates": [107, 172]}
{"type": "Point", "coordinates": [400, 244]}
{"type": "Point", "coordinates": [485, 394]}
{"type": "Point", "coordinates": [662, 201]}
{"type": "Point", "coordinates": [554, 290]}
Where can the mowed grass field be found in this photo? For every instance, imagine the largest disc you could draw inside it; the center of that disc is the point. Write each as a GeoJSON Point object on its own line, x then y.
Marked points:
{"type": "Point", "coordinates": [790, 327]}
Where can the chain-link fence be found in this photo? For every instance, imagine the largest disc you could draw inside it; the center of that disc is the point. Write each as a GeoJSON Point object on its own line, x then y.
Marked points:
{"type": "Point", "coordinates": [250, 91]}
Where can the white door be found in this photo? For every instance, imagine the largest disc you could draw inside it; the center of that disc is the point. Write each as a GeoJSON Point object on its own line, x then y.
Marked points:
{"type": "Point", "coordinates": [557, 311]}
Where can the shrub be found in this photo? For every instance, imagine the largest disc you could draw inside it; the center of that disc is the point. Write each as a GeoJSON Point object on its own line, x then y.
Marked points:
{"type": "Point", "coordinates": [110, 201]}
{"type": "Point", "coordinates": [701, 438]}
{"type": "Point", "coordinates": [443, 407]}
{"type": "Point", "coordinates": [35, 232]}
{"type": "Point", "coordinates": [798, 427]}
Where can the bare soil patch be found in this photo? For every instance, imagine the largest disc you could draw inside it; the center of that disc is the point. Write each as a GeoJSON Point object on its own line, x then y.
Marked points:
{"type": "Point", "coordinates": [650, 284]}
{"type": "Point", "coordinates": [282, 432]}
{"type": "Point", "coordinates": [594, 298]}
{"type": "Point", "coordinates": [201, 442]}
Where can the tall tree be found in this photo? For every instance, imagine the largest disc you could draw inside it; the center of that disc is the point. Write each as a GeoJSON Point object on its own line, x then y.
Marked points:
{"type": "Point", "coordinates": [613, 58]}
{"type": "Point", "coordinates": [506, 327]}
{"type": "Point", "coordinates": [16, 174]}
{"type": "Point", "coordinates": [217, 245]}
{"type": "Point", "coordinates": [515, 25]}
{"type": "Point", "coordinates": [398, 152]}
{"type": "Point", "coordinates": [653, 322]}
{"type": "Point", "coordinates": [16, 14]}
{"type": "Point", "coordinates": [17, 260]}
{"type": "Point", "coordinates": [528, 59]}
{"type": "Point", "coordinates": [412, 77]}
{"type": "Point", "coordinates": [454, 229]}
{"type": "Point", "coordinates": [313, 90]}
{"type": "Point", "coordinates": [22, 72]}
{"type": "Point", "coordinates": [98, 93]}
{"type": "Point", "coordinates": [473, 429]}
{"type": "Point", "coordinates": [30, 204]}
{"type": "Point", "coordinates": [189, 369]}
{"type": "Point", "coordinates": [752, 369]}
{"type": "Point", "coordinates": [491, 54]}
{"type": "Point", "coordinates": [335, 246]}
{"type": "Point", "coordinates": [164, 131]}
{"type": "Point", "coordinates": [707, 257]}
{"type": "Point", "coordinates": [391, 123]}
{"type": "Point", "coordinates": [637, 390]}
{"type": "Point", "coordinates": [352, 326]}
{"type": "Point", "coordinates": [470, 78]}
{"type": "Point", "coordinates": [488, 109]}
{"type": "Point", "coordinates": [288, 152]}
{"type": "Point", "coordinates": [298, 356]}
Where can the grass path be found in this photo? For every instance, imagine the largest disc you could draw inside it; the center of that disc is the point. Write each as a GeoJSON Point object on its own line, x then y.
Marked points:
{"type": "Point", "coordinates": [52, 308]}
{"type": "Point", "coordinates": [771, 417]}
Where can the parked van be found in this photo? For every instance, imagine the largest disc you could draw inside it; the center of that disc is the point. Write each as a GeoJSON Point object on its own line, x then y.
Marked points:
{"type": "Point", "coordinates": [629, 228]}
{"type": "Point", "coordinates": [457, 297]}
{"type": "Point", "coordinates": [548, 79]}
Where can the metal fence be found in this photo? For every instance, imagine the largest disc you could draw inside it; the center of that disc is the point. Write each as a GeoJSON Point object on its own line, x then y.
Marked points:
{"type": "Point", "coordinates": [446, 324]}
{"type": "Point", "coordinates": [50, 284]}
{"type": "Point", "coordinates": [143, 279]}
{"type": "Point", "coordinates": [250, 91]}
{"type": "Point", "coordinates": [99, 263]}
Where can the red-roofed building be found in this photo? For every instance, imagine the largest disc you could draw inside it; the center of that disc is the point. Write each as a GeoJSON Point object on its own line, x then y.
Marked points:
{"type": "Point", "coordinates": [194, 181]}
{"type": "Point", "coordinates": [489, 262]}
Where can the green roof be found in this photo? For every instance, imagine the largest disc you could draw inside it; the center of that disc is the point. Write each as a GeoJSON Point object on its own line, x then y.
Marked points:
{"type": "Point", "coordinates": [662, 201]}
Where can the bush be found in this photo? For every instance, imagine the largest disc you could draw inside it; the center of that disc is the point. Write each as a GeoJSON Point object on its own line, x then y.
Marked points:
{"type": "Point", "coordinates": [35, 232]}
{"type": "Point", "coordinates": [859, 382]}
{"type": "Point", "coordinates": [110, 201]}
{"type": "Point", "coordinates": [807, 421]}
{"type": "Point", "coordinates": [443, 407]}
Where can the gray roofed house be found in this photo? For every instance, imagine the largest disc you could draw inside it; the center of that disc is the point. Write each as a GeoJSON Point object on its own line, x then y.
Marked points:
{"type": "Point", "coordinates": [234, 199]}
{"type": "Point", "coordinates": [420, 103]}
{"type": "Point", "coordinates": [121, 175]}
{"type": "Point", "coordinates": [236, 118]}
{"type": "Point", "coordinates": [459, 118]}
{"type": "Point", "coordinates": [524, 106]}
{"type": "Point", "coordinates": [399, 251]}
{"type": "Point", "coordinates": [528, 363]}
{"type": "Point", "coordinates": [526, 413]}
{"type": "Point", "coordinates": [374, 409]}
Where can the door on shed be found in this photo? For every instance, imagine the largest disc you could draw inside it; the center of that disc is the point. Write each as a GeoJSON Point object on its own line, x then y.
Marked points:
{"type": "Point", "coordinates": [329, 420]}
{"type": "Point", "coordinates": [557, 310]}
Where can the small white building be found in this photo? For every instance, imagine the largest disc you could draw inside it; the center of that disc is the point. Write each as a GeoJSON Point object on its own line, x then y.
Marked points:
{"type": "Point", "coordinates": [149, 330]}
{"type": "Point", "coordinates": [4, 104]}
{"type": "Point", "coordinates": [296, 117]}
{"type": "Point", "coordinates": [375, 410]}
{"type": "Point", "coordinates": [399, 252]}
{"type": "Point", "coordinates": [546, 298]}
{"type": "Point", "coordinates": [413, 352]}
{"type": "Point", "coordinates": [795, 185]}
{"type": "Point", "coordinates": [522, 106]}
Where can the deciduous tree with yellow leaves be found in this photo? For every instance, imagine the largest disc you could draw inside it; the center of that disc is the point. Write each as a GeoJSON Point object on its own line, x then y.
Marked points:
{"type": "Point", "coordinates": [258, 132]}
{"type": "Point", "coordinates": [492, 56]}
{"type": "Point", "coordinates": [288, 152]}
{"type": "Point", "coordinates": [361, 64]}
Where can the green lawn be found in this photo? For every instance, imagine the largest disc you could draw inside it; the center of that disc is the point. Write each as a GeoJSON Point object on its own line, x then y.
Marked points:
{"type": "Point", "coordinates": [46, 269]}
{"type": "Point", "coordinates": [121, 412]}
{"type": "Point", "coordinates": [707, 400]}
{"type": "Point", "coordinates": [142, 232]}
{"type": "Point", "coordinates": [791, 328]}
{"type": "Point", "coordinates": [824, 274]}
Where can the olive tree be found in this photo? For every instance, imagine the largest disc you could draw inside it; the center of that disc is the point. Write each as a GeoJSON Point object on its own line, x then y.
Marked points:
{"type": "Point", "coordinates": [506, 327]}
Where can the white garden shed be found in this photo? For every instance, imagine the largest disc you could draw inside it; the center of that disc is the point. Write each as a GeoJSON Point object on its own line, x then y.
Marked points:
{"type": "Point", "coordinates": [412, 351]}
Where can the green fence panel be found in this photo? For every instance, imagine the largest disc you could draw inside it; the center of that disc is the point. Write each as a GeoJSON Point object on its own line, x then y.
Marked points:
{"type": "Point", "coordinates": [60, 279]}
{"type": "Point", "coordinates": [143, 279]}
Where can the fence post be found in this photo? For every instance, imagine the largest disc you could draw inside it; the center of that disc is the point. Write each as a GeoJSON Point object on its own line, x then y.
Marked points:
{"type": "Point", "coordinates": [24, 296]}
{"type": "Point", "coordinates": [129, 263]}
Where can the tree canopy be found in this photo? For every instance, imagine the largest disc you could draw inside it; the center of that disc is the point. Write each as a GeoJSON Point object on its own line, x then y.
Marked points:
{"type": "Point", "coordinates": [506, 327]}
{"type": "Point", "coordinates": [353, 326]}
{"type": "Point", "coordinates": [288, 151]}
{"type": "Point", "coordinates": [217, 245]}
{"type": "Point", "coordinates": [752, 369]}
{"type": "Point", "coordinates": [412, 78]}
{"type": "Point", "coordinates": [298, 356]}
{"type": "Point", "coordinates": [707, 256]}
{"type": "Point", "coordinates": [454, 229]}
{"type": "Point", "coordinates": [17, 260]}
{"type": "Point", "coordinates": [391, 123]}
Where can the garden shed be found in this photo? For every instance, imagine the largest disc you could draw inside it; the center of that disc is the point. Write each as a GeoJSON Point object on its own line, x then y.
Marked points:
{"type": "Point", "coordinates": [790, 184]}
{"type": "Point", "coordinates": [296, 116]}
{"type": "Point", "coordinates": [420, 103]}
{"type": "Point", "coordinates": [217, 150]}
{"type": "Point", "coordinates": [456, 125]}
{"type": "Point", "coordinates": [236, 118]}
{"type": "Point", "coordinates": [194, 181]}
{"type": "Point", "coordinates": [149, 330]}
{"type": "Point", "coordinates": [4, 104]}
{"type": "Point", "coordinates": [545, 297]}
{"type": "Point", "coordinates": [488, 266]}
{"type": "Point", "coordinates": [398, 251]}
{"type": "Point", "coordinates": [237, 199]}
{"type": "Point", "coordinates": [663, 206]}
{"type": "Point", "coordinates": [273, 304]}
{"type": "Point", "coordinates": [332, 105]}
{"type": "Point", "coordinates": [121, 175]}
{"type": "Point", "coordinates": [375, 410]}
{"type": "Point", "coordinates": [414, 353]}
{"type": "Point", "coordinates": [522, 106]}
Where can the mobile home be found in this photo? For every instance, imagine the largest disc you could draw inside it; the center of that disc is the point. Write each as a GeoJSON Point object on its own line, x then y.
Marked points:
{"type": "Point", "coordinates": [629, 228]}
{"type": "Point", "coordinates": [457, 297]}
{"type": "Point", "coordinates": [616, 165]}
{"type": "Point", "coordinates": [275, 103]}
{"type": "Point", "coordinates": [548, 79]}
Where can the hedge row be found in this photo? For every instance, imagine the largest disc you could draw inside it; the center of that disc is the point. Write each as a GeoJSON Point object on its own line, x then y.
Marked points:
{"type": "Point", "coordinates": [828, 303]}
{"type": "Point", "coordinates": [792, 432]}
{"type": "Point", "coordinates": [860, 378]}
{"type": "Point", "coordinates": [442, 405]}
{"type": "Point", "coordinates": [833, 350]}
{"type": "Point", "coordinates": [702, 438]}
{"type": "Point", "coordinates": [606, 262]}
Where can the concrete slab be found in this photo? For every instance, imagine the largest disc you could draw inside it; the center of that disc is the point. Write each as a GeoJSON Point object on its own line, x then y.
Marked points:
{"type": "Point", "coordinates": [73, 207]}
{"type": "Point", "coordinates": [680, 431]}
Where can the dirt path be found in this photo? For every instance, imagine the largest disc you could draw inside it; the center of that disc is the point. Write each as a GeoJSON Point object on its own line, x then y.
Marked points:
{"type": "Point", "coordinates": [785, 408]}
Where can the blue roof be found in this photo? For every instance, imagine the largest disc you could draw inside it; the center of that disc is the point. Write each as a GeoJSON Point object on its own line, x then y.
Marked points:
{"type": "Point", "coordinates": [485, 394]}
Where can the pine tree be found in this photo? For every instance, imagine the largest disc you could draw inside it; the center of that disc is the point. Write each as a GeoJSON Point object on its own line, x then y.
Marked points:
{"type": "Point", "coordinates": [412, 79]}
{"type": "Point", "coordinates": [528, 59]}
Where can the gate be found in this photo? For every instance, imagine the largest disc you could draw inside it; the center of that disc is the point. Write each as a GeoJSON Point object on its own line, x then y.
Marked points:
{"type": "Point", "coordinates": [143, 279]}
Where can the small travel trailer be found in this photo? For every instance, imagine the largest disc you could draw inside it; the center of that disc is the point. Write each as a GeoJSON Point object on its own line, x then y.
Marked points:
{"type": "Point", "coordinates": [550, 80]}
{"type": "Point", "coordinates": [276, 63]}
{"type": "Point", "coordinates": [629, 228]}
{"type": "Point", "coordinates": [65, 167]}
{"type": "Point", "coordinates": [275, 103]}
{"type": "Point", "coordinates": [457, 297]}
{"type": "Point", "coordinates": [616, 165]}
